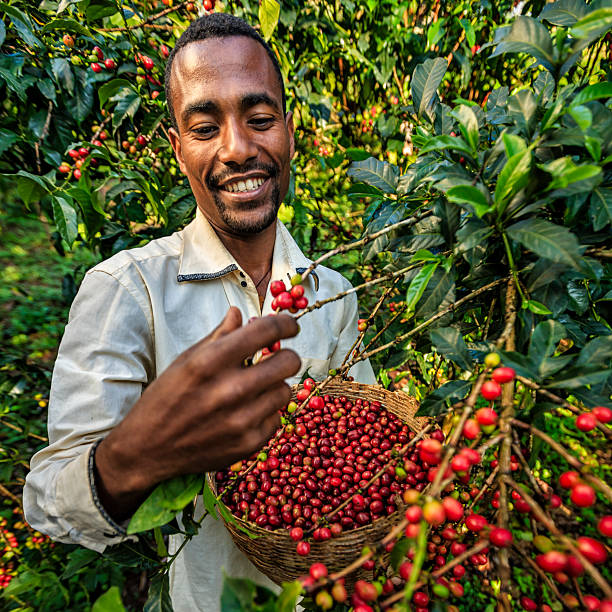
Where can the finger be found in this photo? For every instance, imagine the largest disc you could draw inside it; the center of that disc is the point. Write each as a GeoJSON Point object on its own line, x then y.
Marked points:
{"type": "Point", "coordinates": [242, 384]}
{"type": "Point", "coordinates": [235, 347]}
{"type": "Point", "coordinates": [231, 322]}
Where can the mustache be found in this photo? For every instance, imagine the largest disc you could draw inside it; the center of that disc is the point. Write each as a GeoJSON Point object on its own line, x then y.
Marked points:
{"type": "Point", "coordinates": [214, 180]}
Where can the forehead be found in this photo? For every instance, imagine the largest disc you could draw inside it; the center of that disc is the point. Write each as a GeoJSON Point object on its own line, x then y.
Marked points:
{"type": "Point", "coordinates": [218, 67]}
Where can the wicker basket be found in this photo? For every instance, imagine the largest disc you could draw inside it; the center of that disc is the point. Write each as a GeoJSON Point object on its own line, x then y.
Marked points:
{"type": "Point", "coordinates": [273, 552]}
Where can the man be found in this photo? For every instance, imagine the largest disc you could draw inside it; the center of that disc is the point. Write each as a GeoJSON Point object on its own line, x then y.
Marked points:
{"type": "Point", "coordinates": [137, 395]}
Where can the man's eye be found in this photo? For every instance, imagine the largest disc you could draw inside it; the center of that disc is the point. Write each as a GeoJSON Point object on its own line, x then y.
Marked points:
{"type": "Point", "coordinates": [206, 130]}
{"type": "Point", "coordinates": [261, 122]}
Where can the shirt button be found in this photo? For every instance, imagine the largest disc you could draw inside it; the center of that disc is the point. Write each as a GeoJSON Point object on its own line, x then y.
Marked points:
{"type": "Point", "coordinates": [243, 283]}
{"type": "Point", "coordinates": [242, 274]}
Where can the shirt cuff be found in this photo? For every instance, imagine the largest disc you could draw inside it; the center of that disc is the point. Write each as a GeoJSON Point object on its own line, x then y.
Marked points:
{"type": "Point", "coordinates": [79, 504]}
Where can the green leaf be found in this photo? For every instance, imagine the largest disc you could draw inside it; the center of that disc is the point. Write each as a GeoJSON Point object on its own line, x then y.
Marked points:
{"type": "Point", "coordinates": [77, 559]}
{"type": "Point", "coordinates": [269, 12]}
{"type": "Point", "coordinates": [439, 294]}
{"type": "Point", "coordinates": [361, 190]}
{"type": "Point", "coordinates": [2, 32]}
{"type": "Point", "coordinates": [228, 517]}
{"type": "Point", "coordinates": [593, 92]}
{"type": "Point", "coordinates": [110, 89]}
{"type": "Point", "coordinates": [426, 79]}
{"type": "Point", "coordinates": [512, 178]}
{"type": "Point", "coordinates": [527, 35]}
{"type": "Point", "coordinates": [582, 116]}
{"type": "Point", "coordinates": [436, 402]}
{"type": "Point", "coordinates": [209, 499]}
{"type": "Point", "coordinates": [522, 107]}
{"type": "Point", "coordinates": [23, 24]}
{"type": "Point", "coordinates": [468, 28]}
{"type": "Point", "coordinates": [537, 308]}
{"type": "Point", "coordinates": [468, 124]}
{"type": "Point", "coordinates": [521, 363]}
{"type": "Point", "coordinates": [67, 25]}
{"type": "Point", "coordinates": [598, 351]}
{"type": "Point", "coordinates": [547, 240]}
{"type": "Point", "coordinates": [418, 285]}
{"type": "Point", "coordinates": [287, 598]}
{"type": "Point", "coordinates": [7, 139]}
{"type": "Point", "coordinates": [564, 12]}
{"type": "Point", "coordinates": [109, 602]}
{"type": "Point", "coordinates": [600, 207]}
{"type": "Point", "coordinates": [379, 174]}
{"type": "Point", "coordinates": [128, 102]}
{"type": "Point", "coordinates": [158, 599]}
{"type": "Point", "coordinates": [472, 196]}
{"type": "Point", "coordinates": [544, 340]}
{"type": "Point", "coordinates": [513, 144]}
{"type": "Point", "coordinates": [565, 172]}
{"type": "Point", "coordinates": [399, 551]}
{"type": "Point", "coordinates": [166, 500]}
{"type": "Point", "coordinates": [65, 218]}
{"type": "Point", "coordinates": [243, 595]}
{"type": "Point", "coordinates": [593, 25]}
{"type": "Point", "coordinates": [445, 142]}
{"type": "Point", "coordinates": [30, 187]}
{"type": "Point", "coordinates": [63, 73]}
{"type": "Point", "coordinates": [449, 342]}
{"type": "Point", "coordinates": [579, 376]}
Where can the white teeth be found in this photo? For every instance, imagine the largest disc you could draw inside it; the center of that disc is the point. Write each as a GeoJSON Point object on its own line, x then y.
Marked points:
{"type": "Point", "coordinates": [242, 186]}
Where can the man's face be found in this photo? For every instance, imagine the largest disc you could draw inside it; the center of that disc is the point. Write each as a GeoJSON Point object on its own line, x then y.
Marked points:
{"type": "Point", "coordinates": [233, 142]}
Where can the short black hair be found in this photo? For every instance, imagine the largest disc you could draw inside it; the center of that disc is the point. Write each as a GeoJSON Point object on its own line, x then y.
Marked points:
{"type": "Point", "coordinates": [217, 25]}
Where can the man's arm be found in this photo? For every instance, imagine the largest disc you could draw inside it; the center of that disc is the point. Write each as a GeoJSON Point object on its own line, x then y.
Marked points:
{"type": "Point", "coordinates": [205, 412]}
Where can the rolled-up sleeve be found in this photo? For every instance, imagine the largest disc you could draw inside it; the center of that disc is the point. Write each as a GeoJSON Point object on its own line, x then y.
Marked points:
{"type": "Point", "coordinates": [105, 359]}
{"type": "Point", "coordinates": [361, 371]}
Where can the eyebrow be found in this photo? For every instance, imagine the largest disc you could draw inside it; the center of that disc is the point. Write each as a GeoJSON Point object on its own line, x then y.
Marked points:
{"type": "Point", "coordinates": [247, 102]}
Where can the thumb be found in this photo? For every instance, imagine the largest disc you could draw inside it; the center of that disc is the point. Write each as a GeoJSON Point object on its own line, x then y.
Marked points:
{"type": "Point", "coordinates": [231, 322]}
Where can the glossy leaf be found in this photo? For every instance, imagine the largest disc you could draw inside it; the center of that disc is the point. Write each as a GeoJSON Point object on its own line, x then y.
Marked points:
{"type": "Point", "coordinates": [166, 500]}
{"type": "Point", "coordinates": [288, 597]}
{"type": "Point", "coordinates": [471, 196]}
{"type": "Point", "coordinates": [158, 599]}
{"type": "Point", "coordinates": [379, 174]}
{"type": "Point", "coordinates": [109, 602]}
{"type": "Point", "coordinates": [449, 342]}
{"type": "Point", "coordinates": [512, 178]}
{"type": "Point", "coordinates": [597, 352]}
{"type": "Point", "coordinates": [426, 79]}
{"type": "Point", "coordinates": [527, 35]}
{"type": "Point", "coordinates": [601, 207]}
{"type": "Point", "coordinates": [564, 12]}
{"type": "Point", "coordinates": [269, 12]}
{"type": "Point", "coordinates": [436, 402]}
{"type": "Point", "coordinates": [554, 242]}
{"type": "Point", "coordinates": [418, 285]}
{"type": "Point", "coordinates": [65, 218]}
{"type": "Point", "coordinates": [578, 377]}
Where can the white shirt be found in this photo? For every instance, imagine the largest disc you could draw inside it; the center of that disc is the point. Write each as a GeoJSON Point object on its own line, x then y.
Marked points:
{"type": "Point", "coordinates": [133, 316]}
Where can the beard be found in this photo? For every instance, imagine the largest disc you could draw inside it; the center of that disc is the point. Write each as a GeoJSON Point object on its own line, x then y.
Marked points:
{"type": "Point", "coordinates": [268, 206]}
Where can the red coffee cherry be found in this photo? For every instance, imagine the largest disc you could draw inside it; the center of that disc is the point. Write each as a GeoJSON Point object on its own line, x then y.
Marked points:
{"type": "Point", "coordinates": [303, 548]}
{"type": "Point", "coordinates": [593, 550]}
{"type": "Point", "coordinates": [471, 429]}
{"type": "Point", "coordinates": [318, 571]}
{"type": "Point", "coordinates": [486, 416]}
{"type": "Point", "coordinates": [583, 495]}
{"type": "Point", "coordinates": [500, 537]}
{"type": "Point", "coordinates": [490, 390]}
{"type": "Point", "coordinates": [296, 534]}
{"type": "Point", "coordinates": [503, 375]}
{"type": "Point", "coordinates": [586, 422]}
{"type": "Point", "coordinates": [605, 526]}
{"type": "Point", "coordinates": [552, 561]}
{"type": "Point", "coordinates": [452, 508]}
{"type": "Point", "coordinates": [602, 414]}
{"type": "Point", "coordinates": [475, 522]}
{"type": "Point", "coordinates": [568, 479]}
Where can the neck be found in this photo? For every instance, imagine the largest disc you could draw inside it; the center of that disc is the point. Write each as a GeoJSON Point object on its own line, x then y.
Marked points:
{"type": "Point", "coordinates": [252, 252]}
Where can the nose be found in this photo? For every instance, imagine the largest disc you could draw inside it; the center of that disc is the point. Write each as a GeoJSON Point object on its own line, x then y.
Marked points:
{"type": "Point", "coordinates": [237, 145]}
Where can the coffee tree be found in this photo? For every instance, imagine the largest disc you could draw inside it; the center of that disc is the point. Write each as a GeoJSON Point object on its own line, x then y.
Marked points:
{"type": "Point", "coordinates": [475, 162]}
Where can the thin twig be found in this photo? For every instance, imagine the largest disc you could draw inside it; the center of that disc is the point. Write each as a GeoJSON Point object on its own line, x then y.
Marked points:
{"type": "Point", "coordinates": [148, 20]}
{"type": "Point", "coordinates": [573, 462]}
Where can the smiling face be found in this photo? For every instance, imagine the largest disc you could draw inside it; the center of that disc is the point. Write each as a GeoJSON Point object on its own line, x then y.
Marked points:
{"type": "Point", "coordinates": [233, 143]}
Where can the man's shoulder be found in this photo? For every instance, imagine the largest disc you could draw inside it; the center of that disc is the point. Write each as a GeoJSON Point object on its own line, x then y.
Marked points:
{"type": "Point", "coordinates": [155, 255]}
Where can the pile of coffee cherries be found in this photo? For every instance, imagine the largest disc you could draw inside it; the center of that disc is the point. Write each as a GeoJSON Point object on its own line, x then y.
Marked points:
{"type": "Point", "coordinates": [327, 456]}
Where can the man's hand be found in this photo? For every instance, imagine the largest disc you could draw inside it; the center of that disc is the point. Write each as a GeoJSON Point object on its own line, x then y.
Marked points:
{"type": "Point", "coordinates": [203, 413]}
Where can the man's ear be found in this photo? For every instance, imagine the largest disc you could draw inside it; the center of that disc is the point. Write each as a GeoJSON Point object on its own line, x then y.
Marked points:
{"type": "Point", "coordinates": [175, 141]}
{"type": "Point", "coordinates": [291, 131]}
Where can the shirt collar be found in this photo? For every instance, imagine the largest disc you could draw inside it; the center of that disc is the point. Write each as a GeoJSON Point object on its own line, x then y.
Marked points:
{"type": "Point", "coordinates": [204, 257]}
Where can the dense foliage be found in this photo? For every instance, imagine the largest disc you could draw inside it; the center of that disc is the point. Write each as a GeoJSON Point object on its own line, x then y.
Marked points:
{"type": "Point", "coordinates": [463, 151]}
